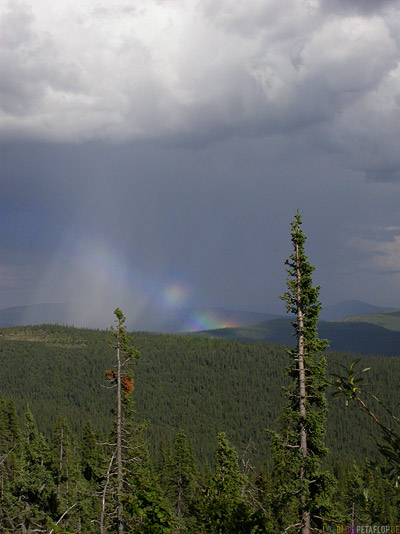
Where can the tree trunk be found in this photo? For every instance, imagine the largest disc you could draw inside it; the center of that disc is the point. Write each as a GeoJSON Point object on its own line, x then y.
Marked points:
{"type": "Point", "coordinates": [302, 391]}
{"type": "Point", "coordinates": [119, 443]}
{"type": "Point", "coordinates": [60, 462]}
{"type": "Point", "coordinates": [103, 496]}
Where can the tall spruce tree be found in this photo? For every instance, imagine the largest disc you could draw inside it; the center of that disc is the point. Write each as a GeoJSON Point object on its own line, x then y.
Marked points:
{"type": "Point", "coordinates": [92, 461]}
{"type": "Point", "coordinates": [36, 487]}
{"type": "Point", "coordinates": [302, 489]}
{"type": "Point", "coordinates": [10, 467]}
{"type": "Point", "coordinates": [183, 474]}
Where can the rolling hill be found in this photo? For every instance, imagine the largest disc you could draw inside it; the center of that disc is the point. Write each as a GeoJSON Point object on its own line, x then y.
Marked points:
{"type": "Point", "coordinates": [362, 335]}
{"type": "Point", "coordinates": [349, 308]}
{"type": "Point", "coordinates": [149, 318]}
{"type": "Point", "coordinates": [153, 319]}
{"type": "Point", "coordinates": [389, 320]}
{"type": "Point", "coordinates": [202, 385]}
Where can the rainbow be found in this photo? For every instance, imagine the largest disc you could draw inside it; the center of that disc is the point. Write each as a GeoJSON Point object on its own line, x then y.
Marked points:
{"type": "Point", "coordinates": [97, 278]}
{"type": "Point", "coordinates": [208, 320]}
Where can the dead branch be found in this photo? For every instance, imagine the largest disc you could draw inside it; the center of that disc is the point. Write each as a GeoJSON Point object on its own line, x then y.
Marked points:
{"type": "Point", "coordinates": [62, 517]}
{"type": "Point", "coordinates": [103, 498]}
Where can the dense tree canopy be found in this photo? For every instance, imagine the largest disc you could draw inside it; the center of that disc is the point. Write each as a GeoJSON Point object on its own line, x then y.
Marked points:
{"type": "Point", "coordinates": [182, 447]}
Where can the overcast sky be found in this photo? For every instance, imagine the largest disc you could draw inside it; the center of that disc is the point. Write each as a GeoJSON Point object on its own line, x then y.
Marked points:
{"type": "Point", "coordinates": [153, 151]}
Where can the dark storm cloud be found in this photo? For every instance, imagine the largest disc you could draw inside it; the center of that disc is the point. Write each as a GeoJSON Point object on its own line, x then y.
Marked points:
{"type": "Point", "coordinates": [166, 144]}
{"type": "Point", "coordinates": [215, 219]}
{"type": "Point", "coordinates": [383, 174]}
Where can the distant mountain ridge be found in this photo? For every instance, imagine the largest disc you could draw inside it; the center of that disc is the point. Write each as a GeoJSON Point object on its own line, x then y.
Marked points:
{"type": "Point", "coordinates": [377, 333]}
{"type": "Point", "coordinates": [185, 319]}
{"type": "Point", "coordinates": [50, 313]}
{"type": "Point", "coordinates": [166, 321]}
{"type": "Point", "coordinates": [389, 320]}
{"type": "Point", "coordinates": [370, 330]}
{"type": "Point", "coordinates": [348, 308]}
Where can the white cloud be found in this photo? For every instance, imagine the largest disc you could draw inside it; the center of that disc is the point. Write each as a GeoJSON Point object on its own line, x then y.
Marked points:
{"type": "Point", "coordinates": [74, 71]}
{"type": "Point", "coordinates": [382, 250]}
{"type": "Point", "coordinates": [349, 55]}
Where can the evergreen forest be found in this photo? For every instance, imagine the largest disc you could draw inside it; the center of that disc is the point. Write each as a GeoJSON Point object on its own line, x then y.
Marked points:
{"type": "Point", "coordinates": [110, 432]}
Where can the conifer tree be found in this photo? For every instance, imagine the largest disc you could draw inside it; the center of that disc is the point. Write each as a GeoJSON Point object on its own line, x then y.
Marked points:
{"type": "Point", "coordinates": [302, 488]}
{"type": "Point", "coordinates": [121, 378]}
{"type": "Point", "coordinates": [60, 455]}
{"type": "Point", "coordinates": [144, 508]}
{"type": "Point", "coordinates": [91, 454]}
{"type": "Point", "coordinates": [10, 456]}
{"type": "Point", "coordinates": [72, 490]}
{"type": "Point", "coordinates": [92, 462]}
{"type": "Point", "coordinates": [226, 508]}
{"type": "Point", "coordinates": [36, 486]}
{"type": "Point", "coordinates": [183, 473]}
{"type": "Point", "coordinates": [164, 465]}
{"type": "Point", "coordinates": [14, 433]}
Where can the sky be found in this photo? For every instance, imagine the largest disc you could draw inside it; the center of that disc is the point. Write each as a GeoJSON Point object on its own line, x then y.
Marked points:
{"type": "Point", "coordinates": [153, 152]}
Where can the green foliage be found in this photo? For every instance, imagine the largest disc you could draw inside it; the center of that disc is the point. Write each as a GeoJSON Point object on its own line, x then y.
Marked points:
{"type": "Point", "coordinates": [352, 387]}
{"type": "Point", "coordinates": [357, 337]}
{"type": "Point", "coordinates": [122, 339]}
{"type": "Point", "coordinates": [299, 449]}
{"type": "Point", "coordinates": [220, 499]}
{"type": "Point", "coordinates": [182, 475]}
{"type": "Point", "coordinates": [351, 384]}
{"type": "Point", "coordinates": [363, 496]}
{"type": "Point", "coordinates": [389, 320]}
{"type": "Point", "coordinates": [304, 290]}
{"type": "Point", "coordinates": [148, 511]}
{"type": "Point", "coordinates": [92, 454]}
{"type": "Point", "coordinates": [226, 508]}
{"type": "Point", "coordinates": [198, 384]}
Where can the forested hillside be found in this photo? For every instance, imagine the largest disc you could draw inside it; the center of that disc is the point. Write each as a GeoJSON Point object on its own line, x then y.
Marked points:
{"type": "Point", "coordinates": [201, 385]}
{"type": "Point", "coordinates": [377, 335]}
{"type": "Point", "coordinates": [389, 320]}
{"type": "Point", "coordinates": [168, 466]}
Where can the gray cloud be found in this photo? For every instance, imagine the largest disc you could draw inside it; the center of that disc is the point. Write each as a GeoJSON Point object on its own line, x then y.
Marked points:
{"type": "Point", "coordinates": [367, 7]}
{"type": "Point", "coordinates": [149, 145]}
{"type": "Point", "coordinates": [196, 72]}
{"type": "Point", "coordinates": [32, 68]}
{"type": "Point", "coordinates": [135, 219]}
